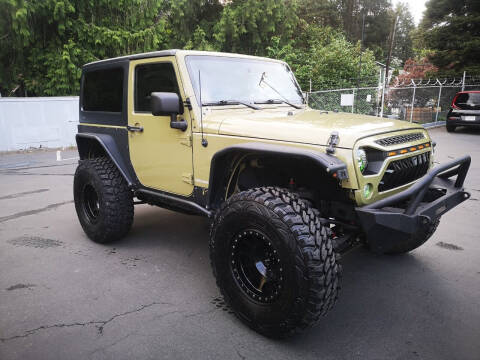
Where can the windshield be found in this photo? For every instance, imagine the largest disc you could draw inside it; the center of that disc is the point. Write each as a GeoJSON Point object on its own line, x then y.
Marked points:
{"type": "Point", "coordinates": [230, 78]}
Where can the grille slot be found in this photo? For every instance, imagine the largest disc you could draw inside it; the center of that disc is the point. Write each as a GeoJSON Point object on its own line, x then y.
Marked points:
{"type": "Point", "coordinates": [400, 139]}
{"type": "Point", "coordinates": [404, 171]}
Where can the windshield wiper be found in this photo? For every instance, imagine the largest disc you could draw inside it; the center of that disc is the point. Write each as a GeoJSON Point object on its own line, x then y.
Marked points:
{"type": "Point", "coordinates": [278, 101]}
{"type": "Point", "coordinates": [232, 102]}
{"type": "Point", "coordinates": [285, 100]}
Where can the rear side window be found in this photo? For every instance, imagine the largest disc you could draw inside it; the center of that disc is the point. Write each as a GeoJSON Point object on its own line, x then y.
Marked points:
{"type": "Point", "coordinates": [468, 101]}
{"type": "Point", "coordinates": [103, 90]}
{"type": "Point", "coordinates": [158, 77]}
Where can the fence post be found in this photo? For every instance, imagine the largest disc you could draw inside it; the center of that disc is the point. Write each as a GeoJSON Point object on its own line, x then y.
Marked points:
{"type": "Point", "coordinates": [413, 100]}
{"type": "Point", "coordinates": [463, 80]}
{"type": "Point", "coordinates": [438, 102]}
{"type": "Point", "coordinates": [383, 99]}
{"type": "Point", "coordinates": [353, 104]}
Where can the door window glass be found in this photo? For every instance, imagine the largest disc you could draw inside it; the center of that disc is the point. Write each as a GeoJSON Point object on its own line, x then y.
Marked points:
{"type": "Point", "coordinates": [159, 77]}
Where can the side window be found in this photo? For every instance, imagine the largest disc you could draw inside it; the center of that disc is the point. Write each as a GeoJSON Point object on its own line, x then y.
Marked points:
{"type": "Point", "coordinates": [159, 77]}
{"type": "Point", "coordinates": [103, 90]}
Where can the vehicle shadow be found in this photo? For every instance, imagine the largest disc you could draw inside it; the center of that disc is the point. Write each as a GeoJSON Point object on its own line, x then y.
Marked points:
{"type": "Point", "coordinates": [388, 307]}
{"type": "Point", "coordinates": [160, 228]}
{"type": "Point", "coordinates": [468, 130]}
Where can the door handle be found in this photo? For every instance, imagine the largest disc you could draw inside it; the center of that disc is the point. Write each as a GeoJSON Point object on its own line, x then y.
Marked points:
{"type": "Point", "coordinates": [135, 128]}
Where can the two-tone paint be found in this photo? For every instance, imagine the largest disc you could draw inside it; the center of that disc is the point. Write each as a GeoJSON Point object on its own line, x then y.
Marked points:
{"type": "Point", "coordinates": [173, 165]}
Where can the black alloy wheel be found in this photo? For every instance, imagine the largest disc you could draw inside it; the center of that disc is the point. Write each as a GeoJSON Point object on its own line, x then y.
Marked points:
{"type": "Point", "coordinates": [256, 266]}
{"type": "Point", "coordinates": [90, 203]}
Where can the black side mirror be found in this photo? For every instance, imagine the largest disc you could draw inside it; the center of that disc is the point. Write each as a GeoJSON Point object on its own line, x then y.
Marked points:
{"type": "Point", "coordinates": [168, 104]}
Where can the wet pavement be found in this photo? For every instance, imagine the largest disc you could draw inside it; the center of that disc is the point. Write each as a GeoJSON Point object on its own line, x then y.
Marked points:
{"type": "Point", "coordinates": [153, 296]}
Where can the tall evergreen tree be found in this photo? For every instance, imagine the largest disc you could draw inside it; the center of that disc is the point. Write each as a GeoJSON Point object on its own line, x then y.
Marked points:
{"type": "Point", "coordinates": [378, 21]}
{"type": "Point", "coordinates": [44, 43]}
{"type": "Point", "coordinates": [320, 12]}
{"type": "Point", "coordinates": [403, 48]}
{"type": "Point", "coordinates": [247, 26]}
{"type": "Point", "coordinates": [191, 21]}
{"type": "Point", "coordinates": [451, 28]}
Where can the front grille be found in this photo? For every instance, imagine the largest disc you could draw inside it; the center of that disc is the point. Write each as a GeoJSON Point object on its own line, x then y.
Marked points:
{"type": "Point", "coordinates": [404, 171]}
{"type": "Point", "coordinates": [400, 139]}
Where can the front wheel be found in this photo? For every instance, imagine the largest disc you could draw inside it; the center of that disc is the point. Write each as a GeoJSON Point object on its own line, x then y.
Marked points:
{"type": "Point", "coordinates": [103, 201]}
{"type": "Point", "coordinates": [273, 261]}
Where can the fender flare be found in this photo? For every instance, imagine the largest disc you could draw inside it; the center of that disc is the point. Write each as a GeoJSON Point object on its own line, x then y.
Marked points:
{"type": "Point", "coordinates": [330, 164]}
{"type": "Point", "coordinates": [107, 142]}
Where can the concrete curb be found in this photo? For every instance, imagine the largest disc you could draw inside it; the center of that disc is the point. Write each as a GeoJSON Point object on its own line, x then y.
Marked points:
{"type": "Point", "coordinates": [434, 124]}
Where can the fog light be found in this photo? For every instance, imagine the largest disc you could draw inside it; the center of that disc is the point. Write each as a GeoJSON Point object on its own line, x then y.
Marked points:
{"type": "Point", "coordinates": [367, 191]}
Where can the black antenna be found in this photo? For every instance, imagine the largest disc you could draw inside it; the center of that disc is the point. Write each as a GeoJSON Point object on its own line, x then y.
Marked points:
{"type": "Point", "coordinates": [204, 141]}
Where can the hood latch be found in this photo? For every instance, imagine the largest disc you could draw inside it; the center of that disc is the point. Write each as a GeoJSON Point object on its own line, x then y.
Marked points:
{"type": "Point", "coordinates": [332, 142]}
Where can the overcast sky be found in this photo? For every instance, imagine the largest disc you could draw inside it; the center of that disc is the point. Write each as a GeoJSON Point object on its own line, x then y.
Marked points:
{"type": "Point", "coordinates": [416, 8]}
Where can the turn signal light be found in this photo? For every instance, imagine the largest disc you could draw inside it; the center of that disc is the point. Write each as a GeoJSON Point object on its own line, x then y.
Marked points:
{"type": "Point", "coordinates": [410, 149]}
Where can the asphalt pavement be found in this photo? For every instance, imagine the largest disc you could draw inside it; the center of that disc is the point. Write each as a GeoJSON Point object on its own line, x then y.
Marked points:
{"type": "Point", "coordinates": [153, 296]}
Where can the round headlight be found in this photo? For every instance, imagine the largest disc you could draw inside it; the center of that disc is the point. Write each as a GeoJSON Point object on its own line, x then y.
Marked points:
{"type": "Point", "coordinates": [362, 160]}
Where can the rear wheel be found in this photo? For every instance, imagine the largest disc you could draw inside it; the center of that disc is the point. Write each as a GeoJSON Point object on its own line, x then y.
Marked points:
{"type": "Point", "coordinates": [103, 201]}
{"type": "Point", "coordinates": [451, 128]}
{"type": "Point", "coordinates": [273, 261]}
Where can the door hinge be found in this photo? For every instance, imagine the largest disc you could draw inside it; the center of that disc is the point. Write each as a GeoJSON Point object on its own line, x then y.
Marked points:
{"type": "Point", "coordinates": [188, 103]}
{"type": "Point", "coordinates": [187, 140]}
{"type": "Point", "coordinates": [188, 178]}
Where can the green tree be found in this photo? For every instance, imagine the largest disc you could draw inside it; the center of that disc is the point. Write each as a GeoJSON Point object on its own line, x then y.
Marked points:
{"type": "Point", "coordinates": [189, 21]}
{"type": "Point", "coordinates": [320, 12]}
{"type": "Point", "coordinates": [246, 26]}
{"type": "Point", "coordinates": [44, 43]}
{"type": "Point", "coordinates": [378, 21]}
{"type": "Point", "coordinates": [324, 56]}
{"type": "Point", "coordinates": [403, 48]}
{"type": "Point", "coordinates": [451, 29]}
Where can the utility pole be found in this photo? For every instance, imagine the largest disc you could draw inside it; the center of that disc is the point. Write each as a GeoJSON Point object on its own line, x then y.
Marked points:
{"type": "Point", "coordinates": [361, 50]}
{"type": "Point", "coordinates": [390, 48]}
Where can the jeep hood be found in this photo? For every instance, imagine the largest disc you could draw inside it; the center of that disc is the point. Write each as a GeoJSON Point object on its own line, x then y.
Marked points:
{"type": "Point", "coordinates": [301, 126]}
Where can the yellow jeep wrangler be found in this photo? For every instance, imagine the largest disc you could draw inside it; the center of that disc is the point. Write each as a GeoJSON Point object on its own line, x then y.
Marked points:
{"type": "Point", "coordinates": [288, 187]}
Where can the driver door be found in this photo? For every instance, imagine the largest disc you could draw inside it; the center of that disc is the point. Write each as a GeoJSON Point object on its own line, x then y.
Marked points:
{"type": "Point", "coordinates": [160, 155]}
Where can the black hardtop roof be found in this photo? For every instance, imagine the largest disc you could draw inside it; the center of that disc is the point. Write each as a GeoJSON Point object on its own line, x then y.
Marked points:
{"type": "Point", "coordinates": [121, 59]}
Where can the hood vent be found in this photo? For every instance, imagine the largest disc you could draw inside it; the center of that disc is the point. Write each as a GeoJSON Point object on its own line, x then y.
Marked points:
{"type": "Point", "coordinates": [400, 139]}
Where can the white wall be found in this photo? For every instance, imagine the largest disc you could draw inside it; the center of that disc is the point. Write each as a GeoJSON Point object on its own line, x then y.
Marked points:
{"type": "Point", "coordinates": [38, 121]}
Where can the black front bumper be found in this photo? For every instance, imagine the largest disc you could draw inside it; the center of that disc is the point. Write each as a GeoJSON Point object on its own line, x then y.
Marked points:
{"type": "Point", "coordinates": [398, 217]}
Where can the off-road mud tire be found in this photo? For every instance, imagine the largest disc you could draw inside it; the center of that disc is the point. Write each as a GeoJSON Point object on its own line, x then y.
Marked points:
{"type": "Point", "coordinates": [415, 240]}
{"type": "Point", "coordinates": [115, 200]}
{"type": "Point", "coordinates": [304, 246]}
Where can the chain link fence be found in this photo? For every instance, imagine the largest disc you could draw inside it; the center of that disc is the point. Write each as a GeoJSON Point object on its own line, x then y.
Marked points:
{"type": "Point", "coordinates": [420, 101]}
